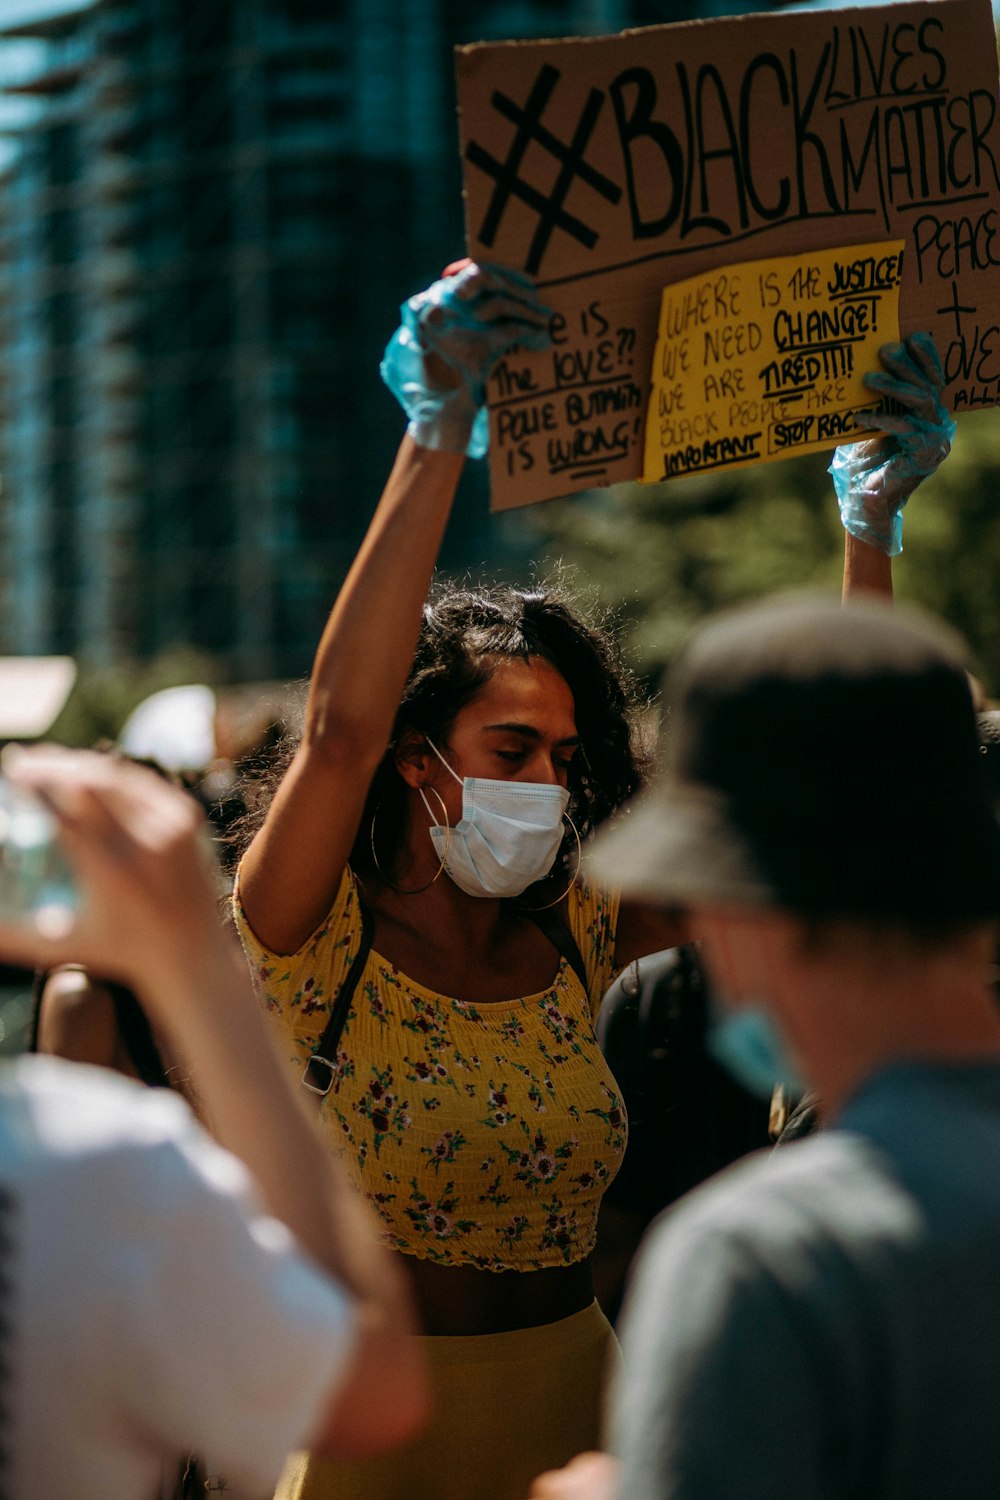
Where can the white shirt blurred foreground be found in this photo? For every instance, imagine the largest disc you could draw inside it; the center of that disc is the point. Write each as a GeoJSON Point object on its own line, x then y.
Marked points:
{"type": "Point", "coordinates": [148, 1307]}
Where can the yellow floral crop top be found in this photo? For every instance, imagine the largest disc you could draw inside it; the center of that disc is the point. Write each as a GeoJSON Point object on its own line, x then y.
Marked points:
{"type": "Point", "coordinates": [482, 1135]}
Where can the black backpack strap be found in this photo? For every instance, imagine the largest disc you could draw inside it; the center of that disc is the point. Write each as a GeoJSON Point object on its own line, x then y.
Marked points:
{"type": "Point", "coordinates": [556, 929]}
{"type": "Point", "coordinates": [37, 988]}
{"type": "Point", "coordinates": [137, 1036]}
{"type": "Point", "coordinates": [321, 1069]}
{"type": "Point", "coordinates": [131, 1024]}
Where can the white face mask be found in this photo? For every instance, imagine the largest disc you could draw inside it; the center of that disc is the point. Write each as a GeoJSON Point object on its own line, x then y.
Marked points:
{"type": "Point", "coordinates": [508, 836]}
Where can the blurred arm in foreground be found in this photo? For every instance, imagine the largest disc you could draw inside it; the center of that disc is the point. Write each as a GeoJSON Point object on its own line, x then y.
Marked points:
{"type": "Point", "coordinates": [147, 918]}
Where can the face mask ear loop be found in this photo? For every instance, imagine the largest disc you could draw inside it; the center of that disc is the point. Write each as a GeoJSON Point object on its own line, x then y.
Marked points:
{"type": "Point", "coordinates": [451, 771]}
{"type": "Point", "coordinates": [416, 890]}
{"type": "Point", "coordinates": [572, 879]}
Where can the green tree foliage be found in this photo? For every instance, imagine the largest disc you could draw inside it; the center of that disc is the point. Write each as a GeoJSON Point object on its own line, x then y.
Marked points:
{"type": "Point", "coordinates": [669, 554]}
{"type": "Point", "coordinates": [951, 541]}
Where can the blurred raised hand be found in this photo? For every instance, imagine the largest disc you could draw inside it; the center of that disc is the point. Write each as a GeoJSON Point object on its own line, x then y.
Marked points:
{"type": "Point", "coordinates": [141, 861]}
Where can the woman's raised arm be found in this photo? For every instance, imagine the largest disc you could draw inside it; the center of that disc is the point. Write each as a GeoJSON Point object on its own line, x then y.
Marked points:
{"type": "Point", "coordinates": [437, 364]}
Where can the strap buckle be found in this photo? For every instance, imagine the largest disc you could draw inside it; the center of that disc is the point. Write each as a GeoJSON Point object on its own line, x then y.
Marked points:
{"type": "Point", "coordinates": [318, 1075]}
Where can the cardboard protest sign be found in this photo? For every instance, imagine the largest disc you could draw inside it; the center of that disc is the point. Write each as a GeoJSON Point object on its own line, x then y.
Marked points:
{"type": "Point", "coordinates": [609, 168]}
{"type": "Point", "coordinates": [765, 359]}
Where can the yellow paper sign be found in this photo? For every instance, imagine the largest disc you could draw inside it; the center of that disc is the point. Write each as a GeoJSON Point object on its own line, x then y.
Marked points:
{"type": "Point", "coordinates": [764, 359]}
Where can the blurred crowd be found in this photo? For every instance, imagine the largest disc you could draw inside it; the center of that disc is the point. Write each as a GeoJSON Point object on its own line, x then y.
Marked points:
{"type": "Point", "coordinates": [429, 1093]}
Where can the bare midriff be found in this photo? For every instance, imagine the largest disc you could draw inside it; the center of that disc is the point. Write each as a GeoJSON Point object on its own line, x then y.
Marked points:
{"type": "Point", "coordinates": [464, 1301]}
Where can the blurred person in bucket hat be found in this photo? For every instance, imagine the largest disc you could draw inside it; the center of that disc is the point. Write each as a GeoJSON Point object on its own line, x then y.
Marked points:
{"type": "Point", "coordinates": [820, 759]}
{"type": "Point", "coordinates": [822, 1321]}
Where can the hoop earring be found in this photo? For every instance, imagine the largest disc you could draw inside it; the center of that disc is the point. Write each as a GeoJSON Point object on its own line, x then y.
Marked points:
{"type": "Point", "coordinates": [572, 879]}
{"type": "Point", "coordinates": [447, 845]}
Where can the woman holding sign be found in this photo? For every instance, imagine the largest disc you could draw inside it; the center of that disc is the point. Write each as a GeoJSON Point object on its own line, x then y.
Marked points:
{"type": "Point", "coordinates": [415, 882]}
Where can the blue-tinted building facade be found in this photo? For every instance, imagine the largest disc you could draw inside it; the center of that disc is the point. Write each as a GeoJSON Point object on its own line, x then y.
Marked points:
{"type": "Point", "coordinates": [204, 234]}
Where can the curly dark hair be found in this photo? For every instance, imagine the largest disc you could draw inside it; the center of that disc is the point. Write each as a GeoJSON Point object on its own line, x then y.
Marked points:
{"type": "Point", "coordinates": [464, 635]}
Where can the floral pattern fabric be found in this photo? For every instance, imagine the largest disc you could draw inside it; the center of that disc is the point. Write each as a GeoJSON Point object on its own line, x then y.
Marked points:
{"type": "Point", "coordinates": [483, 1134]}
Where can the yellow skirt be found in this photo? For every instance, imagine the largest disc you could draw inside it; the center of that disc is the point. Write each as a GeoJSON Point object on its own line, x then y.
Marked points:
{"type": "Point", "coordinates": [506, 1406]}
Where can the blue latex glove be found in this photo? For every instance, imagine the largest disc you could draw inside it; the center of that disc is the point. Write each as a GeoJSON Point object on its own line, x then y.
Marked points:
{"type": "Point", "coordinates": [875, 478]}
{"type": "Point", "coordinates": [438, 360]}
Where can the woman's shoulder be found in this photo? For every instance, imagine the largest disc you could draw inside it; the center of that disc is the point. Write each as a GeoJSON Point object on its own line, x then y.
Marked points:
{"type": "Point", "coordinates": [591, 907]}
{"type": "Point", "coordinates": [336, 927]}
{"type": "Point", "coordinates": [592, 915]}
{"type": "Point", "coordinates": [76, 1018]}
{"type": "Point", "coordinates": [71, 984]}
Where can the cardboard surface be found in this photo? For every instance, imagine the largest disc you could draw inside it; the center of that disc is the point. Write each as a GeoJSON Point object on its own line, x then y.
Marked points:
{"type": "Point", "coordinates": [609, 168]}
{"type": "Point", "coordinates": [765, 359]}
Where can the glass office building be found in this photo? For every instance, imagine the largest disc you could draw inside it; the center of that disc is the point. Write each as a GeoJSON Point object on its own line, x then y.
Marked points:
{"type": "Point", "coordinates": [211, 213]}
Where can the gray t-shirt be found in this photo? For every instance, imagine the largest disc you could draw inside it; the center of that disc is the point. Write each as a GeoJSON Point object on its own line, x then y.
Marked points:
{"type": "Point", "coordinates": [825, 1321]}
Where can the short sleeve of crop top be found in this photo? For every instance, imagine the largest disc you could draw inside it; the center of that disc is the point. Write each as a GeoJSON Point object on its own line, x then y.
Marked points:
{"type": "Point", "coordinates": [482, 1134]}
